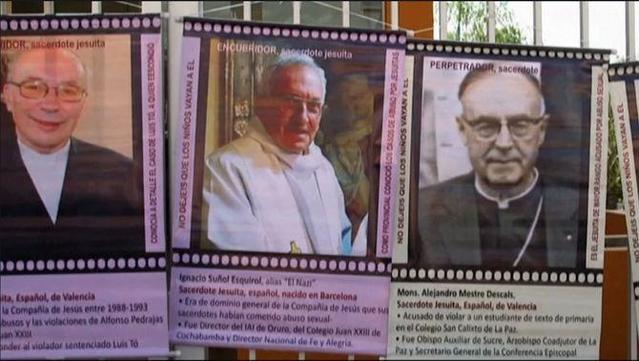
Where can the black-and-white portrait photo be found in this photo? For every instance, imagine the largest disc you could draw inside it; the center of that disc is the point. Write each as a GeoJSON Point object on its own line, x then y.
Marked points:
{"type": "Point", "coordinates": [500, 170]}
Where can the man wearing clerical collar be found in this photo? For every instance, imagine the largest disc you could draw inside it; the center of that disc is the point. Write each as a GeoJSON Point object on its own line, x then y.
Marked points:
{"type": "Point", "coordinates": [272, 190]}
{"type": "Point", "coordinates": [59, 196]}
{"type": "Point", "coordinates": [504, 213]}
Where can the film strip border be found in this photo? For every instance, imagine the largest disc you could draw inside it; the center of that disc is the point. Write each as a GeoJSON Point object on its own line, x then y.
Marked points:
{"type": "Point", "coordinates": [146, 263]}
{"type": "Point", "coordinates": [635, 290]}
{"type": "Point", "coordinates": [528, 277]}
{"type": "Point", "coordinates": [597, 55]}
{"type": "Point", "coordinates": [619, 70]}
{"type": "Point", "coordinates": [285, 263]}
{"type": "Point", "coordinates": [199, 26]}
{"type": "Point", "coordinates": [36, 25]}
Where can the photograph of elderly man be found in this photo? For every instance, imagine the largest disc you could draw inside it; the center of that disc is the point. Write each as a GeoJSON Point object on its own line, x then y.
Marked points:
{"type": "Point", "coordinates": [273, 190]}
{"type": "Point", "coordinates": [60, 196]}
{"type": "Point", "coordinates": [504, 213]}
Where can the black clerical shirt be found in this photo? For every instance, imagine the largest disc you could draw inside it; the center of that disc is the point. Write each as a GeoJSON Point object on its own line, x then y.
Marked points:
{"type": "Point", "coordinates": [503, 232]}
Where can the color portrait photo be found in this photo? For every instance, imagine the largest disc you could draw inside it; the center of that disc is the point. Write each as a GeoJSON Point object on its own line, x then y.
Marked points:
{"type": "Point", "coordinates": [291, 161]}
{"type": "Point", "coordinates": [71, 184]}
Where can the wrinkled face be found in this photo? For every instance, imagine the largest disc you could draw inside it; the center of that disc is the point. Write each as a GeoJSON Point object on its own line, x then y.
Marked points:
{"type": "Point", "coordinates": [502, 125]}
{"type": "Point", "coordinates": [291, 114]}
{"type": "Point", "coordinates": [40, 96]}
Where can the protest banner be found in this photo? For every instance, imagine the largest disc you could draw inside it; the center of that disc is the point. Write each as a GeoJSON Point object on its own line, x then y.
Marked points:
{"type": "Point", "coordinates": [285, 160]}
{"type": "Point", "coordinates": [501, 249]}
{"type": "Point", "coordinates": [82, 230]}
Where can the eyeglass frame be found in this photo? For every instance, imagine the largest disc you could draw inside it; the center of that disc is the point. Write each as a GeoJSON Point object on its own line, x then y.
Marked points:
{"type": "Point", "coordinates": [532, 122]}
{"type": "Point", "coordinates": [48, 89]}
{"type": "Point", "coordinates": [301, 101]}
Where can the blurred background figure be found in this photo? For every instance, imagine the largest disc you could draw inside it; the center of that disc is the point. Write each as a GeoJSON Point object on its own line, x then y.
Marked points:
{"type": "Point", "coordinates": [347, 144]}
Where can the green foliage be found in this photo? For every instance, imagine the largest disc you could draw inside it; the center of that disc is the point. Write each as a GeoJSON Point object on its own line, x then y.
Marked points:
{"type": "Point", "coordinates": [468, 21]}
{"type": "Point", "coordinates": [614, 197]}
{"type": "Point", "coordinates": [507, 31]}
{"type": "Point", "coordinates": [470, 18]}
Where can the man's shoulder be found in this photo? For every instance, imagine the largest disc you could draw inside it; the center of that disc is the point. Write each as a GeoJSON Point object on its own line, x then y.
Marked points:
{"type": "Point", "coordinates": [98, 155]}
{"type": "Point", "coordinates": [235, 152]}
{"type": "Point", "coordinates": [561, 196]}
{"type": "Point", "coordinates": [446, 198]}
{"type": "Point", "coordinates": [458, 185]}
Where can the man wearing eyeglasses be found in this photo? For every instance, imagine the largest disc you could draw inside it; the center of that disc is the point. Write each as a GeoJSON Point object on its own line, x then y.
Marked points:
{"type": "Point", "coordinates": [272, 190]}
{"type": "Point", "coordinates": [504, 213]}
{"type": "Point", "coordinates": [59, 196]}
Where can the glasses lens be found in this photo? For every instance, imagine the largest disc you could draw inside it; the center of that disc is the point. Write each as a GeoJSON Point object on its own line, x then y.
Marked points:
{"type": "Point", "coordinates": [520, 128]}
{"type": "Point", "coordinates": [295, 103]}
{"type": "Point", "coordinates": [70, 93]}
{"type": "Point", "coordinates": [314, 107]}
{"type": "Point", "coordinates": [291, 102]}
{"type": "Point", "coordinates": [487, 129]}
{"type": "Point", "coordinates": [490, 129]}
{"type": "Point", "coordinates": [33, 89]}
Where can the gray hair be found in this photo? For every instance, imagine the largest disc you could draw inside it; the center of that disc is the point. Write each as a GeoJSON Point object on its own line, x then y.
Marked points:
{"type": "Point", "coordinates": [284, 61]}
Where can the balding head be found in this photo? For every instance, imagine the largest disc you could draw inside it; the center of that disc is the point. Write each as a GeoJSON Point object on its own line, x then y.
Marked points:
{"type": "Point", "coordinates": [271, 75]}
{"type": "Point", "coordinates": [291, 102]}
{"type": "Point", "coordinates": [23, 63]}
{"type": "Point", "coordinates": [39, 93]}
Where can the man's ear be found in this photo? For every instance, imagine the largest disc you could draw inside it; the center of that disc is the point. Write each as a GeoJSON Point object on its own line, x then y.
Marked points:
{"type": "Point", "coordinates": [6, 98]}
{"type": "Point", "coordinates": [461, 126]}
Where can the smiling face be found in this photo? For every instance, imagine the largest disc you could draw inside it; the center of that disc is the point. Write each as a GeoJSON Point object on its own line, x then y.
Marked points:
{"type": "Point", "coordinates": [292, 112]}
{"type": "Point", "coordinates": [45, 123]}
{"type": "Point", "coordinates": [503, 126]}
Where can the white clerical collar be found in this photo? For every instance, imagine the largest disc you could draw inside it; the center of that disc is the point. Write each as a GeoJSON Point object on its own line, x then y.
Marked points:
{"type": "Point", "coordinates": [304, 186]}
{"type": "Point", "coordinates": [505, 203]}
{"type": "Point", "coordinates": [26, 151]}
{"type": "Point", "coordinates": [47, 173]}
{"type": "Point", "coordinates": [297, 162]}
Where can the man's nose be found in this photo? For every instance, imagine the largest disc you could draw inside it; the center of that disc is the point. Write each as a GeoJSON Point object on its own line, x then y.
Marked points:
{"type": "Point", "coordinates": [50, 102]}
{"type": "Point", "coordinates": [301, 109]}
{"type": "Point", "coordinates": [504, 138]}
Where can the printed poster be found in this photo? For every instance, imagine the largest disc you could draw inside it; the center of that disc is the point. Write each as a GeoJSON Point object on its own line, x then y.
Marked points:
{"type": "Point", "coordinates": [285, 160]}
{"type": "Point", "coordinates": [624, 98]}
{"type": "Point", "coordinates": [82, 243]}
{"type": "Point", "coordinates": [499, 250]}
